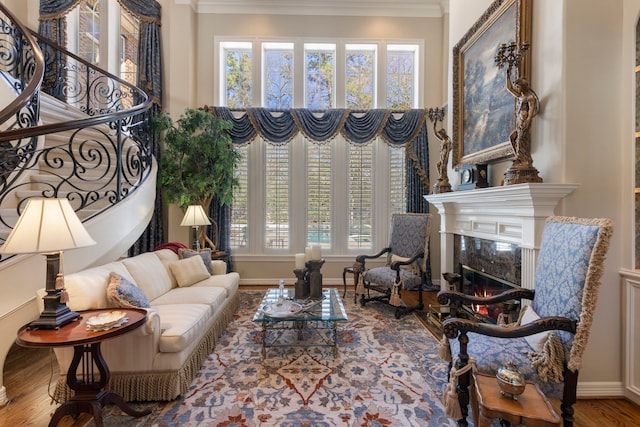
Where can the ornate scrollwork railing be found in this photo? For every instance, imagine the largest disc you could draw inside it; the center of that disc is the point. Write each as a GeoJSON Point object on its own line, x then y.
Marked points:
{"type": "Point", "coordinates": [96, 159]}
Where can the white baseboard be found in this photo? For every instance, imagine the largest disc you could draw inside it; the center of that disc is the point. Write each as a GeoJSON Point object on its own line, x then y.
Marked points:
{"type": "Point", "coordinates": [588, 390]}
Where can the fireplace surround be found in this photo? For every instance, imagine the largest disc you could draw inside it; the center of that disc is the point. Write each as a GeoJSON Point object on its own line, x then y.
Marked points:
{"type": "Point", "coordinates": [513, 214]}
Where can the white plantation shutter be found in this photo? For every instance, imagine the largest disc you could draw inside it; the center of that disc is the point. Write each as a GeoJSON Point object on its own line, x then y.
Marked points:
{"type": "Point", "coordinates": [240, 205]}
{"type": "Point", "coordinates": [360, 196]}
{"type": "Point", "coordinates": [319, 197]}
{"type": "Point", "coordinates": [397, 180]}
{"type": "Point", "coordinates": [277, 196]}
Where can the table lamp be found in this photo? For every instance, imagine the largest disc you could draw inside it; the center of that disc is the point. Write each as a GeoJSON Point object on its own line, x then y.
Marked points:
{"type": "Point", "coordinates": [49, 226]}
{"type": "Point", "coordinates": [195, 217]}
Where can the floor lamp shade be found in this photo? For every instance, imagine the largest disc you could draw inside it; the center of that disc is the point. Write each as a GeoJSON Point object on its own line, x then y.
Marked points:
{"type": "Point", "coordinates": [49, 226]}
{"type": "Point", "coordinates": [195, 216]}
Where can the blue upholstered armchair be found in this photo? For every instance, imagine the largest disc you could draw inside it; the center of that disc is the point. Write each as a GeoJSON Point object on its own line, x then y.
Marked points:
{"type": "Point", "coordinates": [548, 343]}
{"type": "Point", "coordinates": [406, 264]}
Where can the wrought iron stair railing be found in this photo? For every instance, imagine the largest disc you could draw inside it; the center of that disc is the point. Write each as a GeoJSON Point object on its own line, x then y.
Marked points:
{"type": "Point", "coordinates": [99, 155]}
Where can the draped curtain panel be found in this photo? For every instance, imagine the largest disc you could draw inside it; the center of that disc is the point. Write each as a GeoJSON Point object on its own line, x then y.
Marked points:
{"type": "Point", "coordinates": [150, 80]}
{"type": "Point", "coordinates": [401, 129]}
{"type": "Point", "coordinates": [53, 26]}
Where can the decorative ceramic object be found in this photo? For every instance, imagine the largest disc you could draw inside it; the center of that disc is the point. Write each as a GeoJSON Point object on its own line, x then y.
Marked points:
{"type": "Point", "coordinates": [510, 381]}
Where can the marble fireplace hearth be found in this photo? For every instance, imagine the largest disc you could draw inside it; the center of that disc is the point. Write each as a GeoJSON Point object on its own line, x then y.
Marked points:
{"type": "Point", "coordinates": [508, 218]}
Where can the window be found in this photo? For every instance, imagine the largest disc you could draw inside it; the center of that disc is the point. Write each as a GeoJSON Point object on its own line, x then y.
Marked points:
{"type": "Point", "coordinates": [331, 193]}
{"type": "Point", "coordinates": [89, 31]}
{"type": "Point", "coordinates": [129, 29]}
{"type": "Point", "coordinates": [319, 76]}
{"type": "Point", "coordinates": [360, 76]}
{"type": "Point", "coordinates": [278, 75]}
{"type": "Point", "coordinates": [236, 69]}
{"type": "Point", "coordinates": [89, 34]}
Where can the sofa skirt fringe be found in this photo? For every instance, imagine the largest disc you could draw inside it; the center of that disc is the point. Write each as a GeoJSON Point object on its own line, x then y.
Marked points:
{"type": "Point", "coordinates": [162, 386]}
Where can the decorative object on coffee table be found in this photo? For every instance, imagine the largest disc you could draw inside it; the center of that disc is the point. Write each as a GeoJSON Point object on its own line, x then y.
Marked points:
{"type": "Point", "coordinates": [442, 185]}
{"type": "Point", "coordinates": [315, 277]}
{"type": "Point", "coordinates": [302, 283]}
{"type": "Point", "coordinates": [527, 106]}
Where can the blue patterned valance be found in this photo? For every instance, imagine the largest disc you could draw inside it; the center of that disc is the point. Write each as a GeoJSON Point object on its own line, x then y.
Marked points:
{"type": "Point", "coordinates": [406, 129]}
{"type": "Point", "coordinates": [357, 127]}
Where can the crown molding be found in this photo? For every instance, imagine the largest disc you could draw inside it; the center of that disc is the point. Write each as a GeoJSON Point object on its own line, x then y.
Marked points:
{"type": "Point", "coordinates": [393, 8]}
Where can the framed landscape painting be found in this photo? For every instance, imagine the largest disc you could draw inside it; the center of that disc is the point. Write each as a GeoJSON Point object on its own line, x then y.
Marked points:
{"type": "Point", "coordinates": [483, 109]}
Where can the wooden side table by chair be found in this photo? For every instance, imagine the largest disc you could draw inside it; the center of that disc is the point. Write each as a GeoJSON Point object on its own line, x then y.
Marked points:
{"type": "Point", "coordinates": [356, 276]}
{"type": "Point", "coordinates": [532, 409]}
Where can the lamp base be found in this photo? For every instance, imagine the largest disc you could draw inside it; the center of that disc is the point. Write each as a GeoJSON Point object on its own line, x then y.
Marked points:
{"type": "Point", "coordinates": [54, 318]}
{"type": "Point", "coordinates": [56, 314]}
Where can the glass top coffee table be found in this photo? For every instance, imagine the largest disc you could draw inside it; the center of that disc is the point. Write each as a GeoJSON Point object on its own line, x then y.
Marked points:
{"type": "Point", "coordinates": [314, 321]}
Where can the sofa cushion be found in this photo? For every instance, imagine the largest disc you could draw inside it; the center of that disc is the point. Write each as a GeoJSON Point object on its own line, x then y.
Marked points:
{"type": "Point", "coordinates": [87, 289]}
{"type": "Point", "coordinates": [149, 274]}
{"type": "Point", "coordinates": [189, 271]}
{"type": "Point", "coordinates": [122, 293]}
{"type": "Point", "coordinates": [167, 256]}
{"type": "Point", "coordinates": [181, 325]}
{"type": "Point", "coordinates": [205, 254]}
{"type": "Point", "coordinates": [212, 296]}
{"type": "Point", "coordinates": [230, 282]}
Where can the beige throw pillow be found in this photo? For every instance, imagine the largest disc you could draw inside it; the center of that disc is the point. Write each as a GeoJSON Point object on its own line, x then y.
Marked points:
{"type": "Point", "coordinates": [204, 253]}
{"type": "Point", "coordinates": [189, 271]}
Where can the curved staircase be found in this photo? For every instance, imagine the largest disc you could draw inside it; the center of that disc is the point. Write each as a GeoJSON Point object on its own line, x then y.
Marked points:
{"type": "Point", "coordinates": [98, 154]}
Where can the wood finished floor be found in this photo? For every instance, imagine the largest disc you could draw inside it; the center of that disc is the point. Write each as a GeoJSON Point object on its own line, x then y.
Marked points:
{"type": "Point", "coordinates": [28, 373]}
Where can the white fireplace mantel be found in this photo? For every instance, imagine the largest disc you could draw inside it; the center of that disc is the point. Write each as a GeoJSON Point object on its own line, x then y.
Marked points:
{"type": "Point", "coordinates": [513, 213]}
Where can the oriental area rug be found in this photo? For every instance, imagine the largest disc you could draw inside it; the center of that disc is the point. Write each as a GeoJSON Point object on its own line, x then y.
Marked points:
{"type": "Point", "coordinates": [387, 373]}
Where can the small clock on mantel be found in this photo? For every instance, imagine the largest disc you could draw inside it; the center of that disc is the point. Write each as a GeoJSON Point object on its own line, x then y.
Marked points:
{"type": "Point", "coordinates": [472, 177]}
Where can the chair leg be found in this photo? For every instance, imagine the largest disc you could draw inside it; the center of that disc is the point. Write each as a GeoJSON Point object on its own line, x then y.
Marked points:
{"type": "Point", "coordinates": [569, 396]}
{"type": "Point", "coordinates": [464, 380]}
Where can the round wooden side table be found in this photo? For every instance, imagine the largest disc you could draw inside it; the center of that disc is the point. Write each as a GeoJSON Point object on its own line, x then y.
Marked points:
{"type": "Point", "coordinates": [89, 386]}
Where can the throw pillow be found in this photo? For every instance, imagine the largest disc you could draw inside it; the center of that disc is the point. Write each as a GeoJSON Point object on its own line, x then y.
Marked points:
{"type": "Point", "coordinates": [189, 271]}
{"type": "Point", "coordinates": [205, 254]}
{"type": "Point", "coordinates": [412, 268]}
{"type": "Point", "coordinates": [537, 340]}
{"type": "Point", "coordinates": [124, 294]}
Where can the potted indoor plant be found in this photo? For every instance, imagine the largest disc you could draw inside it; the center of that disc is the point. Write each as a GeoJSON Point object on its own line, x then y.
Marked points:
{"type": "Point", "coordinates": [197, 163]}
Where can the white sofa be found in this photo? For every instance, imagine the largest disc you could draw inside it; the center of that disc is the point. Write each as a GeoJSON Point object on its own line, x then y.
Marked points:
{"type": "Point", "coordinates": [159, 360]}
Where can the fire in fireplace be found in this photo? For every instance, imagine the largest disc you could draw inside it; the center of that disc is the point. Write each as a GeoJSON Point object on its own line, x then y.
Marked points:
{"type": "Point", "coordinates": [478, 283]}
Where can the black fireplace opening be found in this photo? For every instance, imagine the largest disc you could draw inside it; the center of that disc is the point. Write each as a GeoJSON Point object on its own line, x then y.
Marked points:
{"type": "Point", "coordinates": [481, 284]}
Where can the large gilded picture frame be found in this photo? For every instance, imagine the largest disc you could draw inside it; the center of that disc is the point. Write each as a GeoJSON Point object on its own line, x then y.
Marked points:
{"type": "Point", "coordinates": [483, 109]}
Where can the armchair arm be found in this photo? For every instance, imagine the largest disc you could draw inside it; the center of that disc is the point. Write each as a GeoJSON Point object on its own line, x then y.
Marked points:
{"type": "Point", "coordinates": [445, 297]}
{"type": "Point", "coordinates": [361, 258]}
{"type": "Point", "coordinates": [396, 265]}
{"type": "Point", "coordinates": [454, 325]}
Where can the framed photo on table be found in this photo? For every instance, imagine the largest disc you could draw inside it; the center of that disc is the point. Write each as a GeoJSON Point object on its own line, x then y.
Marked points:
{"type": "Point", "coordinates": [483, 109]}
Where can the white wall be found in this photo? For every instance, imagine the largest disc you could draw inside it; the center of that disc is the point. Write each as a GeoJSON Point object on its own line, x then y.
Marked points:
{"type": "Point", "coordinates": [579, 137]}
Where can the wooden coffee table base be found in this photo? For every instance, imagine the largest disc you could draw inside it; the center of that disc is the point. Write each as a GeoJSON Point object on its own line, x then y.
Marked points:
{"type": "Point", "coordinates": [532, 408]}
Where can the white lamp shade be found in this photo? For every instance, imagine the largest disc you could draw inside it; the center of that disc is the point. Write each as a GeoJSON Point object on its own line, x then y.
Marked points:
{"type": "Point", "coordinates": [47, 225]}
{"type": "Point", "coordinates": [195, 216]}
